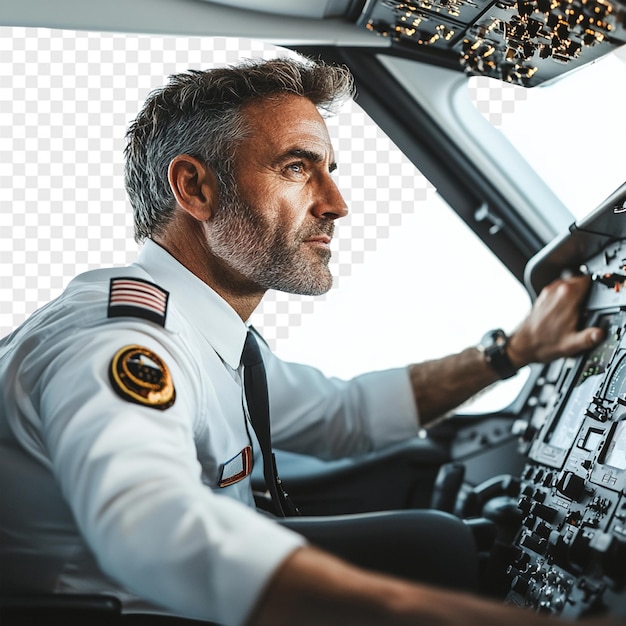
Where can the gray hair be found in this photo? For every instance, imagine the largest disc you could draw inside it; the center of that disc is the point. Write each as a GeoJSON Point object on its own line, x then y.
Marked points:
{"type": "Point", "coordinates": [200, 113]}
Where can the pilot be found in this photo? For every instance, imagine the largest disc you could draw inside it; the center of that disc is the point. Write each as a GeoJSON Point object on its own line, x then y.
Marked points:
{"type": "Point", "coordinates": [125, 443]}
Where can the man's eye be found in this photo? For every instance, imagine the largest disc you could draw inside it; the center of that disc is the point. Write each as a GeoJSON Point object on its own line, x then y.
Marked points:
{"type": "Point", "coordinates": [298, 168]}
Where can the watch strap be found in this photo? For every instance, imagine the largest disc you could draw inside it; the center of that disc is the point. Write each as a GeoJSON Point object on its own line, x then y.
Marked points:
{"type": "Point", "coordinates": [494, 347]}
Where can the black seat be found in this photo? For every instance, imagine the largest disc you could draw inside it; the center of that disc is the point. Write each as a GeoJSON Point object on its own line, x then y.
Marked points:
{"type": "Point", "coordinates": [65, 609]}
{"type": "Point", "coordinates": [432, 547]}
{"type": "Point", "coordinates": [78, 610]}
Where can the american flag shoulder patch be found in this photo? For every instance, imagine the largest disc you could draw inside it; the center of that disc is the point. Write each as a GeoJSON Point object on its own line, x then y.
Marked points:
{"type": "Point", "coordinates": [135, 297]}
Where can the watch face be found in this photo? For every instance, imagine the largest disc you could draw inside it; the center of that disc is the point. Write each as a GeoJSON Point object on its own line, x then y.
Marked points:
{"type": "Point", "coordinates": [493, 338]}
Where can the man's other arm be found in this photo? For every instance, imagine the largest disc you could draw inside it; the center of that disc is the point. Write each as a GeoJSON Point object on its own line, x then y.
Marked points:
{"type": "Point", "coordinates": [550, 331]}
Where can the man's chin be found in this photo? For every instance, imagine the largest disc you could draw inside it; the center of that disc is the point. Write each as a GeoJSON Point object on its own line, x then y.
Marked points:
{"type": "Point", "coordinates": [308, 287]}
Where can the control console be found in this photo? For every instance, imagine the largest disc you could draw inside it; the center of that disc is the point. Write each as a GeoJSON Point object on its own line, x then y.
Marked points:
{"type": "Point", "coordinates": [569, 553]}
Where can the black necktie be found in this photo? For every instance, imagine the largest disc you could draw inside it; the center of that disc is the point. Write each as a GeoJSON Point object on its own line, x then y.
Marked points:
{"type": "Point", "coordinates": [255, 386]}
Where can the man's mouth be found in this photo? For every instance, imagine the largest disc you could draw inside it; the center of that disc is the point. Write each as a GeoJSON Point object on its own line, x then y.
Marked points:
{"type": "Point", "coordinates": [321, 240]}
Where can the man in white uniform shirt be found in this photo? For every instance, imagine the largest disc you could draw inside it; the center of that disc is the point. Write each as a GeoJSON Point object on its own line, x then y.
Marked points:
{"type": "Point", "coordinates": [125, 448]}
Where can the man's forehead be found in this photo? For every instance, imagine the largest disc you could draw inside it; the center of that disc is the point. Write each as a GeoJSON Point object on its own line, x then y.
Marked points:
{"type": "Point", "coordinates": [286, 119]}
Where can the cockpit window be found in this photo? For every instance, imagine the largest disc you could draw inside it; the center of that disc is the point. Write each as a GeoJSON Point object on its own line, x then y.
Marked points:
{"type": "Point", "coordinates": [572, 131]}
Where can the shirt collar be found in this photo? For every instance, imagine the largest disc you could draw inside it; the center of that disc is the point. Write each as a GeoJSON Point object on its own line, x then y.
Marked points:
{"type": "Point", "coordinates": [203, 308]}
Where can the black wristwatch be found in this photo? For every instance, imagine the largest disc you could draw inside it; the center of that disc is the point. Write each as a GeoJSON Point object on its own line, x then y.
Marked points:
{"type": "Point", "coordinates": [493, 345]}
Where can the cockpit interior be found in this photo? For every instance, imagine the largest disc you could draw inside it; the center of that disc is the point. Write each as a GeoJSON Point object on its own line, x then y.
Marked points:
{"type": "Point", "coordinates": [461, 93]}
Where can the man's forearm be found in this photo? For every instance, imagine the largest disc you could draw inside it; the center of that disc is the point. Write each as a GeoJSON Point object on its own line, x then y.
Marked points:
{"type": "Point", "coordinates": [441, 385]}
{"type": "Point", "coordinates": [550, 331]}
{"type": "Point", "coordinates": [313, 588]}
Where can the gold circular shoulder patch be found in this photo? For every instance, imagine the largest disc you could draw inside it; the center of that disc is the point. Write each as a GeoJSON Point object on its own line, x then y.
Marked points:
{"type": "Point", "coordinates": [139, 375]}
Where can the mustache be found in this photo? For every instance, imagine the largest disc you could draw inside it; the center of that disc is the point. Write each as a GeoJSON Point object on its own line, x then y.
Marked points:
{"type": "Point", "coordinates": [325, 227]}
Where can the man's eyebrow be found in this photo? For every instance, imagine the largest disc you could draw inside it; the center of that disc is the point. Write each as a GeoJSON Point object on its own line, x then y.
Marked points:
{"type": "Point", "coordinates": [309, 155]}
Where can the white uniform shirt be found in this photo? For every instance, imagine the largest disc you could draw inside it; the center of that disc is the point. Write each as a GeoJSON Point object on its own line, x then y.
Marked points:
{"type": "Point", "coordinates": [101, 494]}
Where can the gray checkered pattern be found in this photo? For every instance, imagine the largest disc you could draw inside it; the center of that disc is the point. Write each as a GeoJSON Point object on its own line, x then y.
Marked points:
{"type": "Point", "coordinates": [66, 99]}
{"type": "Point", "coordinates": [494, 99]}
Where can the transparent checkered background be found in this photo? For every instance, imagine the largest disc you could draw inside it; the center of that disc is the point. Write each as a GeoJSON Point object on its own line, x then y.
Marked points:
{"type": "Point", "coordinates": [66, 99]}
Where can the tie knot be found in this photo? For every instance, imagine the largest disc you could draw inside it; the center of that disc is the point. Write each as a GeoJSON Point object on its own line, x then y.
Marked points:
{"type": "Point", "coordinates": [251, 353]}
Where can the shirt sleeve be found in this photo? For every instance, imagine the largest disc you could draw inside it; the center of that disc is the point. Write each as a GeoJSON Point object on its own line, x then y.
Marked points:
{"type": "Point", "coordinates": [332, 418]}
{"type": "Point", "coordinates": [131, 477]}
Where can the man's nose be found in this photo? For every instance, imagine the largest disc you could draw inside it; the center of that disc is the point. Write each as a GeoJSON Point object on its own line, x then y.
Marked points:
{"type": "Point", "coordinates": [330, 203]}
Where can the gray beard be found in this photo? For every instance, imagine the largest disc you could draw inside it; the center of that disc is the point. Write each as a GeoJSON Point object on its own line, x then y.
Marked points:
{"type": "Point", "coordinates": [241, 239]}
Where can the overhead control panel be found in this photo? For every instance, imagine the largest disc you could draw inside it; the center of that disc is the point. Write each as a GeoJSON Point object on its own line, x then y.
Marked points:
{"type": "Point", "coordinates": [525, 42]}
{"type": "Point", "coordinates": [569, 554]}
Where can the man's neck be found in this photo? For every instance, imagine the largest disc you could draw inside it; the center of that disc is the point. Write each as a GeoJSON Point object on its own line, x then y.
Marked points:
{"type": "Point", "coordinates": [191, 251]}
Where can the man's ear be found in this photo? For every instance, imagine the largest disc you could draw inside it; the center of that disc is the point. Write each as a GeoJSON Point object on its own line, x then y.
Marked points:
{"type": "Point", "coordinates": [194, 186]}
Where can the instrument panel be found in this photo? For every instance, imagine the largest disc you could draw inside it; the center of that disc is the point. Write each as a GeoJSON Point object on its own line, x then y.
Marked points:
{"type": "Point", "coordinates": [524, 42]}
{"type": "Point", "coordinates": [569, 553]}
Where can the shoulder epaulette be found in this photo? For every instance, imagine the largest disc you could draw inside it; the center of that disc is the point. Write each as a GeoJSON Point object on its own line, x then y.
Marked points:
{"type": "Point", "coordinates": [135, 297]}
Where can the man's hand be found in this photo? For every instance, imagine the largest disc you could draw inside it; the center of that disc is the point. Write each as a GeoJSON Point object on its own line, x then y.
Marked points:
{"type": "Point", "coordinates": [552, 329]}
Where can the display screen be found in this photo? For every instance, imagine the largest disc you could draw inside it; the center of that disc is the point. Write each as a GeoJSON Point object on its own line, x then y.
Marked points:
{"type": "Point", "coordinates": [571, 418]}
{"type": "Point", "coordinates": [564, 431]}
{"type": "Point", "coordinates": [617, 383]}
{"type": "Point", "coordinates": [616, 450]}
